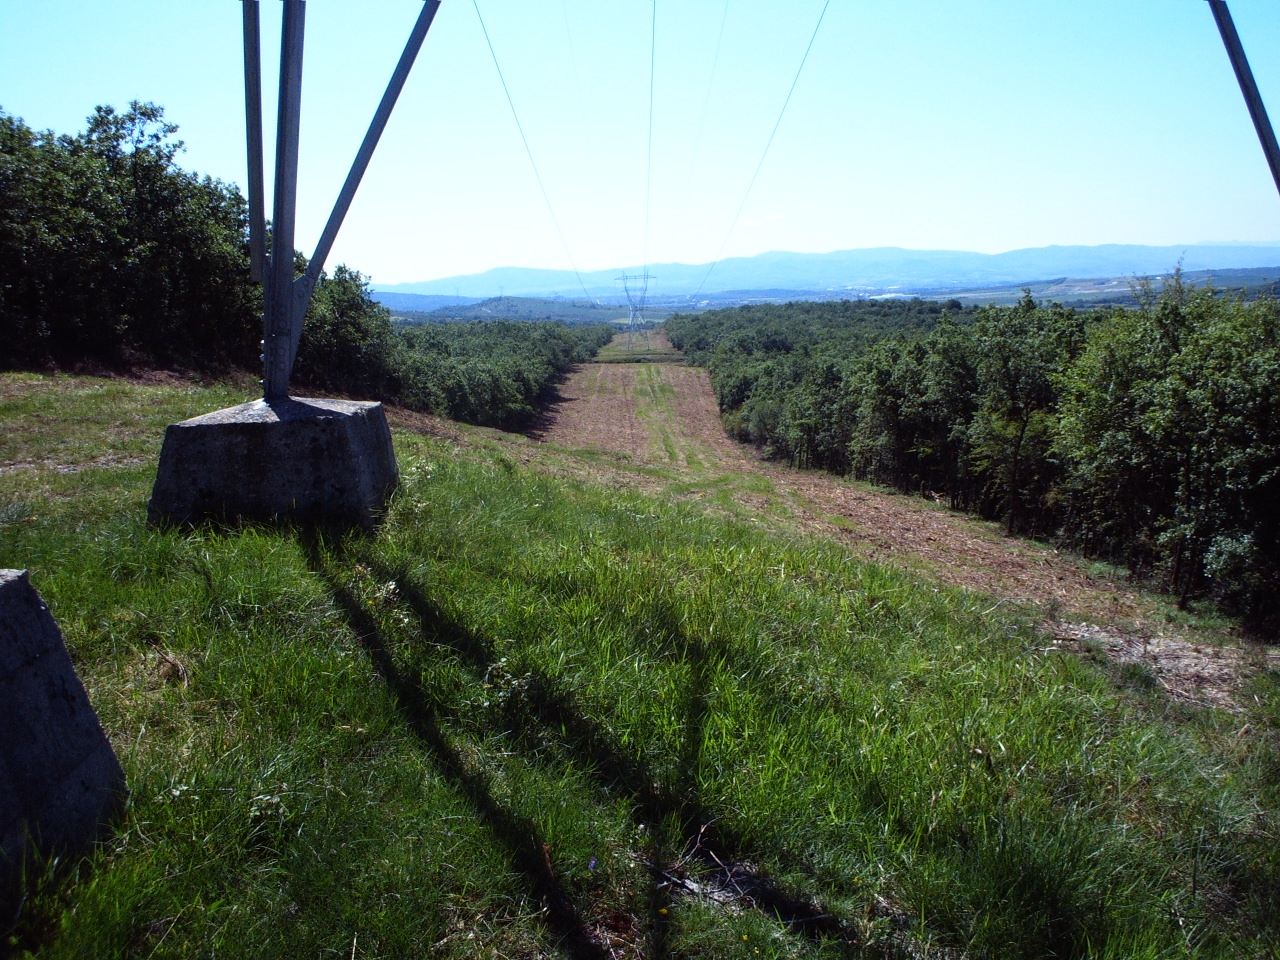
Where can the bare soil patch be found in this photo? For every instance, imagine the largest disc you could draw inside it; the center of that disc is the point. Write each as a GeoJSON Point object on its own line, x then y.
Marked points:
{"type": "Point", "coordinates": [659, 340]}
{"type": "Point", "coordinates": [596, 409]}
{"type": "Point", "coordinates": [1204, 675]}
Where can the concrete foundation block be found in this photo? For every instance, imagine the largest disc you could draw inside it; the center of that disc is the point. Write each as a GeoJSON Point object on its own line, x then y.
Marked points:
{"type": "Point", "coordinates": [60, 782]}
{"type": "Point", "coordinates": [328, 461]}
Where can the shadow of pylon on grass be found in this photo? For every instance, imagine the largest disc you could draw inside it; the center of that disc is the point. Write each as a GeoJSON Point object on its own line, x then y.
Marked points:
{"type": "Point", "coordinates": [519, 837]}
{"type": "Point", "coordinates": [545, 715]}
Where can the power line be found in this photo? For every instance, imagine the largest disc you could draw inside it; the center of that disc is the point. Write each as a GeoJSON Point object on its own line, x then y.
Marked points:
{"type": "Point", "coordinates": [635, 298]}
{"type": "Point", "coordinates": [781, 113]}
{"type": "Point", "coordinates": [533, 163]}
{"type": "Point", "coordinates": [706, 103]}
{"type": "Point", "coordinates": [573, 59]}
{"type": "Point", "coordinates": [648, 187]}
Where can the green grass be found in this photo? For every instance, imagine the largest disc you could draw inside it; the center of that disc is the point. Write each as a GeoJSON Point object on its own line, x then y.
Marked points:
{"type": "Point", "coordinates": [66, 422]}
{"type": "Point", "coordinates": [640, 349]}
{"type": "Point", "coordinates": [527, 716]}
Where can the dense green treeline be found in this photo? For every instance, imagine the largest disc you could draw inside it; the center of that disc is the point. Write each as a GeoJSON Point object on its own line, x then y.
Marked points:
{"type": "Point", "coordinates": [109, 252]}
{"type": "Point", "coordinates": [113, 256]}
{"type": "Point", "coordinates": [493, 373]}
{"type": "Point", "coordinates": [1149, 437]}
{"type": "Point", "coordinates": [776, 368]}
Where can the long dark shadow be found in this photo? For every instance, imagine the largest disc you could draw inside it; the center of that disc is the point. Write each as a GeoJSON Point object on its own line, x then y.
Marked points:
{"type": "Point", "coordinates": [525, 849]}
{"type": "Point", "coordinates": [548, 410]}
{"type": "Point", "coordinates": [546, 714]}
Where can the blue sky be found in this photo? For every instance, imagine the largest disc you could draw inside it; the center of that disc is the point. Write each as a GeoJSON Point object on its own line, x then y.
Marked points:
{"type": "Point", "coordinates": [983, 125]}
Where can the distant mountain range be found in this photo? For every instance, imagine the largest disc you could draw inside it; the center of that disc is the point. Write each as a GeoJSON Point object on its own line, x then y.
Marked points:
{"type": "Point", "coordinates": [870, 271]}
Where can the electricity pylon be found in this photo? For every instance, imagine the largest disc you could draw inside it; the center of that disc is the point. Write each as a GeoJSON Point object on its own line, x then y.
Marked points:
{"type": "Point", "coordinates": [1248, 86]}
{"type": "Point", "coordinates": [636, 287]}
{"type": "Point", "coordinates": [286, 298]}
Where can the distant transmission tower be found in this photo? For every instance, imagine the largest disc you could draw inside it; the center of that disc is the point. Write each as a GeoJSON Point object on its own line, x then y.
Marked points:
{"type": "Point", "coordinates": [636, 287]}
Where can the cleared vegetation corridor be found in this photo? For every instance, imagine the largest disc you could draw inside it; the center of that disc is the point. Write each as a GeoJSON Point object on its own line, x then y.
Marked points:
{"type": "Point", "coordinates": [660, 421]}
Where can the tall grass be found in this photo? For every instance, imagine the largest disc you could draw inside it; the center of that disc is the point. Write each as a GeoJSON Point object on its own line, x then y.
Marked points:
{"type": "Point", "coordinates": [532, 718]}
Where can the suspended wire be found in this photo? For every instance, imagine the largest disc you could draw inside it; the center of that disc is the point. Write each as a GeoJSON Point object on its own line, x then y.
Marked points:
{"type": "Point", "coordinates": [706, 103]}
{"type": "Point", "coordinates": [648, 188]}
{"type": "Point", "coordinates": [781, 113]}
{"type": "Point", "coordinates": [573, 59]}
{"type": "Point", "coordinates": [533, 163]}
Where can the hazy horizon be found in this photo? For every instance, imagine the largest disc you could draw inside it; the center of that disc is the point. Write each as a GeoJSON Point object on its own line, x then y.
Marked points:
{"type": "Point", "coordinates": [861, 268]}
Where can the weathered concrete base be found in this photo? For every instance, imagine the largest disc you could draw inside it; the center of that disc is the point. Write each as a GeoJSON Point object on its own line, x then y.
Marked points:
{"type": "Point", "coordinates": [60, 782]}
{"type": "Point", "coordinates": [327, 461]}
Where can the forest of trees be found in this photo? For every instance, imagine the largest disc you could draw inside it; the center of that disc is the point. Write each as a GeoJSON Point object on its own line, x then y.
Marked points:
{"type": "Point", "coordinates": [1149, 437]}
{"type": "Point", "coordinates": [112, 256]}
{"type": "Point", "coordinates": [110, 253]}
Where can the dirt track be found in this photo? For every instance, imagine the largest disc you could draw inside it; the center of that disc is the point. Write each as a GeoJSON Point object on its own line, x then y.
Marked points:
{"type": "Point", "coordinates": [665, 416]}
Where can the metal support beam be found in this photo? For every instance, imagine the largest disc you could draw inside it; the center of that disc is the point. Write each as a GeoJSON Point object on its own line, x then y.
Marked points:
{"type": "Point", "coordinates": [306, 284]}
{"type": "Point", "coordinates": [1257, 110]}
{"type": "Point", "coordinates": [253, 124]}
{"type": "Point", "coordinates": [287, 299]}
{"type": "Point", "coordinates": [280, 312]}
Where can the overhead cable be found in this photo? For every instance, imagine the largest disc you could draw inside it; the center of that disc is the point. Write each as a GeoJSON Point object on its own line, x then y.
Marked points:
{"type": "Point", "coordinates": [706, 103]}
{"type": "Point", "coordinates": [648, 187]}
{"type": "Point", "coordinates": [529, 152]}
{"type": "Point", "coordinates": [573, 59]}
{"type": "Point", "coordinates": [781, 113]}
